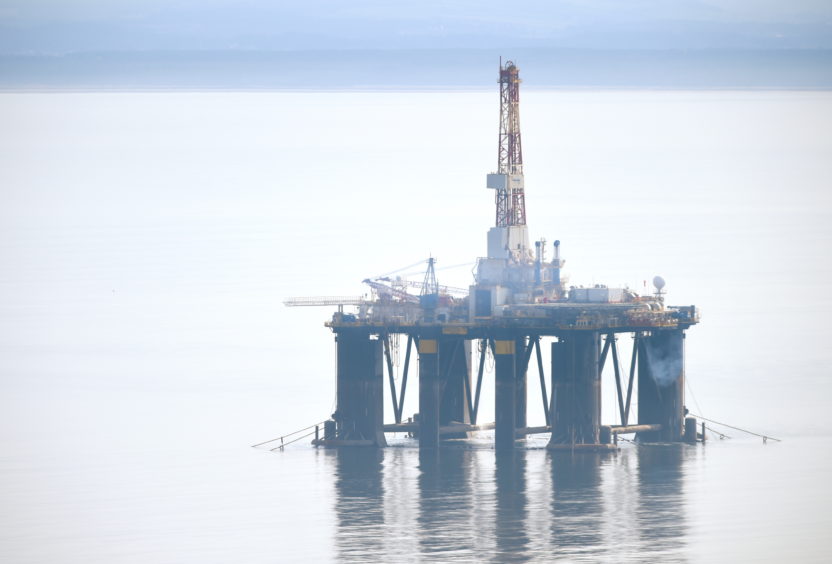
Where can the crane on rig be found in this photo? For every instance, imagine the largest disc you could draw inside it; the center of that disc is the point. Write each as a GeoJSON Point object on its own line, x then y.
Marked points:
{"type": "Point", "coordinates": [443, 289]}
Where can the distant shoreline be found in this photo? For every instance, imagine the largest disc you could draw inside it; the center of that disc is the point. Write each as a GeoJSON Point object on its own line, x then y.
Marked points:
{"type": "Point", "coordinates": [419, 70]}
{"type": "Point", "coordinates": [394, 90]}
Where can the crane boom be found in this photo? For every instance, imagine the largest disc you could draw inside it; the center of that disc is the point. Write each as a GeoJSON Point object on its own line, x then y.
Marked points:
{"type": "Point", "coordinates": [385, 291]}
{"type": "Point", "coordinates": [325, 301]}
{"type": "Point", "coordinates": [442, 288]}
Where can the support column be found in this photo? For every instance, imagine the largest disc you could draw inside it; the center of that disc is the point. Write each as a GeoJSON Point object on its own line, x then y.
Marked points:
{"type": "Point", "coordinates": [360, 413]}
{"type": "Point", "coordinates": [520, 395]}
{"type": "Point", "coordinates": [430, 392]}
{"type": "Point", "coordinates": [455, 372]}
{"type": "Point", "coordinates": [661, 384]}
{"type": "Point", "coordinates": [505, 406]}
{"type": "Point", "coordinates": [576, 389]}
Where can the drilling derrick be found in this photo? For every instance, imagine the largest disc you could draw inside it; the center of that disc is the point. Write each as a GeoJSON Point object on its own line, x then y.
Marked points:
{"type": "Point", "coordinates": [509, 239]}
{"type": "Point", "coordinates": [511, 204]}
{"type": "Point", "coordinates": [511, 272]}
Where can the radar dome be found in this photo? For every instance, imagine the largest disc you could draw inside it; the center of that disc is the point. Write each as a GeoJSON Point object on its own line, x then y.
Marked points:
{"type": "Point", "coordinates": [658, 282]}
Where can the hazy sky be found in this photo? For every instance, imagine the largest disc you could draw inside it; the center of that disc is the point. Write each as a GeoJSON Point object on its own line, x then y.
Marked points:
{"type": "Point", "coordinates": [58, 26]}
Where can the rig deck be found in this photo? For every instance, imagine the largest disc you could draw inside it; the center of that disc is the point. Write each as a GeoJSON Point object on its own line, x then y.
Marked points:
{"type": "Point", "coordinates": [449, 389]}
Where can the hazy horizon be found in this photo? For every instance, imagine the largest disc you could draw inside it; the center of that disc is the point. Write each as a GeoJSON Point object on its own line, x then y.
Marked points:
{"type": "Point", "coordinates": [419, 69]}
{"type": "Point", "coordinates": [368, 44]}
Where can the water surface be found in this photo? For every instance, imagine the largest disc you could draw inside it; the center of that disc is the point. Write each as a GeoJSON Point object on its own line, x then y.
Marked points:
{"type": "Point", "coordinates": [147, 240]}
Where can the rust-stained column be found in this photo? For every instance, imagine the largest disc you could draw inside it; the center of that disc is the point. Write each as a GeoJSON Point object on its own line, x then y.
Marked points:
{"type": "Point", "coordinates": [360, 388]}
{"type": "Point", "coordinates": [430, 393]}
{"type": "Point", "coordinates": [455, 371]}
{"type": "Point", "coordinates": [520, 394]}
{"type": "Point", "coordinates": [576, 389]}
{"type": "Point", "coordinates": [661, 384]}
{"type": "Point", "coordinates": [505, 406]}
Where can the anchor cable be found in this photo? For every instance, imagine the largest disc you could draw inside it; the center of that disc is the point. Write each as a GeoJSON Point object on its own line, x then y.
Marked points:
{"type": "Point", "coordinates": [720, 433]}
{"type": "Point", "coordinates": [291, 434]}
{"type": "Point", "coordinates": [690, 389]}
{"type": "Point", "coordinates": [292, 441]}
{"type": "Point", "coordinates": [764, 437]}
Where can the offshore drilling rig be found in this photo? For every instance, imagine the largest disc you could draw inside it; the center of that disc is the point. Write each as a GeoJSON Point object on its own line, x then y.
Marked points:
{"type": "Point", "coordinates": [518, 303]}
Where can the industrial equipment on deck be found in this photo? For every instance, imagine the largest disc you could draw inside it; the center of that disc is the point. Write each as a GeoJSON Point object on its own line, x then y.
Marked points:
{"type": "Point", "coordinates": [517, 303]}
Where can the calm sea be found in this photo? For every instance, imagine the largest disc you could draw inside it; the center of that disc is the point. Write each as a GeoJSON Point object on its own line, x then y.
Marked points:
{"type": "Point", "coordinates": [147, 241]}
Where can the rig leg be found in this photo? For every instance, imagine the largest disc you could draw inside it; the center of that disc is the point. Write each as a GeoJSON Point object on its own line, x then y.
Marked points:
{"type": "Point", "coordinates": [661, 384]}
{"type": "Point", "coordinates": [360, 414]}
{"type": "Point", "coordinates": [430, 393]}
{"type": "Point", "coordinates": [524, 351]}
{"type": "Point", "coordinates": [505, 414]}
{"type": "Point", "coordinates": [455, 372]}
{"type": "Point", "coordinates": [576, 389]}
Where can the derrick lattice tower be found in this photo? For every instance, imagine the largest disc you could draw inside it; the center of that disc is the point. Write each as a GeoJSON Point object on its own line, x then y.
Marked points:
{"type": "Point", "coordinates": [510, 198]}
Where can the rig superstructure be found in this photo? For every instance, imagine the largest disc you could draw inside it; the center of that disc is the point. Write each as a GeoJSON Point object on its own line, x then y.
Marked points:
{"type": "Point", "coordinates": [518, 302]}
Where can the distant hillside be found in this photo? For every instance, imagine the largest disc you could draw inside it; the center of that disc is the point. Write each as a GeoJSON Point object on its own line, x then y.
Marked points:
{"type": "Point", "coordinates": [418, 69]}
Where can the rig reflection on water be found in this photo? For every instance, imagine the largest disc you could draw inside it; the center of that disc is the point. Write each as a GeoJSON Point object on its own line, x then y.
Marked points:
{"type": "Point", "coordinates": [399, 504]}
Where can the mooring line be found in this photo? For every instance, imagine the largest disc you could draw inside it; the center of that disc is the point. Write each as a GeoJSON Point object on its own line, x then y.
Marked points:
{"type": "Point", "coordinates": [690, 389]}
{"type": "Point", "coordinates": [764, 437]}
{"type": "Point", "coordinates": [720, 433]}
{"type": "Point", "coordinates": [289, 435]}
{"type": "Point", "coordinates": [292, 441]}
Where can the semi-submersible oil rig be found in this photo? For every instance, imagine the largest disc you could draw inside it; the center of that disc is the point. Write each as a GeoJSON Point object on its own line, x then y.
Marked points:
{"type": "Point", "coordinates": [518, 302]}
